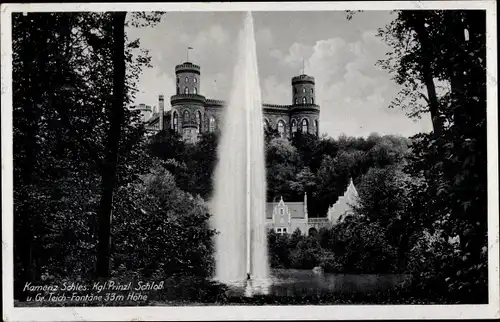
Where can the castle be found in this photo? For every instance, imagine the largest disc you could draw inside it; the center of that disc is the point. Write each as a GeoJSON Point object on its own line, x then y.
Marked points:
{"type": "Point", "coordinates": [192, 114]}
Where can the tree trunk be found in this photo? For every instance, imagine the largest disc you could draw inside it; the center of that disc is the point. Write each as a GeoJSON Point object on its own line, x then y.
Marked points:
{"type": "Point", "coordinates": [109, 168]}
{"type": "Point", "coordinates": [417, 20]}
{"type": "Point", "coordinates": [23, 237]}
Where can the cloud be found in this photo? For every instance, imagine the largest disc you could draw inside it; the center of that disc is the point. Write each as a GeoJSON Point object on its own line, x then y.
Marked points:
{"type": "Point", "coordinates": [215, 35]}
{"type": "Point", "coordinates": [154, 83]}
{"type": "Point", "coordinates": [264, 38]}
{"type": "Point", "coordinates": [167, 43]}
{"type": "Point", "coordinates": [215, 85]}
{"type": "Point", "coordinates": [276, 92]}
{"type": "Point", "coordinates": [354, 94]}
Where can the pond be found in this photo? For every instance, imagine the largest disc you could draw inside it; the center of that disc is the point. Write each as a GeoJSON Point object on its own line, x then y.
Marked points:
{"type": "Point", "coordinates": [293, 282]}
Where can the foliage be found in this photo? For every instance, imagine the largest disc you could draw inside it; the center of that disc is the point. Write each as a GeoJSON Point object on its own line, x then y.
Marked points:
{"type": "Point", "coordinates": [447, 47]}
{"type": "Point", "coordinates": [161, 229]}
{"type": "Point", "coordinates": [61, 86]}
{"type": "Point", "coordinates": [352, 246]}
{"type": "Point", "coordinates": [359, 246]}
{"type": "Point", "coordinates": [193, 165]}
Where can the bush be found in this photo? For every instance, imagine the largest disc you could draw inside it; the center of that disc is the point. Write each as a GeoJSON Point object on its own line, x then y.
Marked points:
{"type": "Point", "coordinates": [160, 230]}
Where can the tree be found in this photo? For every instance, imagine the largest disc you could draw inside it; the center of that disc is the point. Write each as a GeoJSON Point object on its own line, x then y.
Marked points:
{"type": "Point", "coordinates": [108, 180]}
{"type": "Point", "coordinates": [162, 230]}
{"type": "Point", "coordinates": [306, 254]}
{"type": "Point", "coordinates": [282, 161]}
{"type": "Point", "coordinates": [384, 199]}
{"type": "Point", "coordinates": [409, 35]}
{"type": "Point", "coordinates": [361, 246]}
{"type": "Point", "coordinates": [449, 47]}
{"type": "Point", "coordinates": [63, 78]}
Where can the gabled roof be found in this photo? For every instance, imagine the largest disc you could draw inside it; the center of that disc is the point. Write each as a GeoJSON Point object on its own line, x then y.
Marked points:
{"type": "Point", "coordinates": [296, 209]}
{"type": "Point", "coordinates": [344, 203]}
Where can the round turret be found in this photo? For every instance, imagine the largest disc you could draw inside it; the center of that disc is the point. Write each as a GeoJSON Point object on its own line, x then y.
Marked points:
{"type": "Point", "coordinates": [303, 90]}
{"type": "Point", "coordinates": [304, 115]}
{"type": "Point", "coordinates": [188, 78]}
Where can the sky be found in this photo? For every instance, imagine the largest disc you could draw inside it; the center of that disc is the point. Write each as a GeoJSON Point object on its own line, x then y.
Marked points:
{"type": "Point", "coordinates": [353, 93]}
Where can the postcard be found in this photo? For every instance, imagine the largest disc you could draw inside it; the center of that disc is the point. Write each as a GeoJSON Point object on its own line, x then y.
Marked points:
{"type": "Point", "coordinates": [242, 161]}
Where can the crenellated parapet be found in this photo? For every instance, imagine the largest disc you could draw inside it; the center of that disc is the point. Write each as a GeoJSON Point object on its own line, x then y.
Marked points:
{"type": "Point", "coordinates": [213, 102]}
{"type": "Point", "coordinates": [303, 79]}
{"type": "Point", "coordinates": [187, 98]}
{"type": "Point", "coordinates": [305, 108]}
{"type": "Point", "coordinates": [187, 67]}
{"type": "Point", "coordinates": [276, 106]}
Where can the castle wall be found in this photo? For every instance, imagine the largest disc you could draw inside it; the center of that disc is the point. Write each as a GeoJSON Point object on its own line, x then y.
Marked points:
{"type": "Point", "coordinates": [300, 224]}
{"type": "Point", "coordinates": [273, 116]}
{"type": "Point", "coordinates": [214, 109]}
{"type": "Point", "coordinates": [312, 117]}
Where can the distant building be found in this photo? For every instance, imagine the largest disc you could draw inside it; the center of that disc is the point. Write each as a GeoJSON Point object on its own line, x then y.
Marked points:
{"type": "Point", "coordinates": [145, 111]}
{"type": "Point", "coordinates": [192, 113]}
{"type": "Point", "coordinates": [285, 217]}
{"type": "Point", "coordinates": [343, 207]}
{"type": "Point", "coordinates": [151, 116]}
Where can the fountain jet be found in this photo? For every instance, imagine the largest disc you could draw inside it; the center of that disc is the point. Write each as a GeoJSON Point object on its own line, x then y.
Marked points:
{"type": "Point", "coordinates": [238, 203]}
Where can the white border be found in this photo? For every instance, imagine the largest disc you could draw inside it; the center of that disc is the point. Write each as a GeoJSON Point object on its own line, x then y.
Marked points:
{"type": "Point", "coordinates": [352, 312]}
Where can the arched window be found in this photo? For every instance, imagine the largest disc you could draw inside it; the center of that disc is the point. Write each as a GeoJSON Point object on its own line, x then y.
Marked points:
{"type": "Point", "coordinates": [296, 101]}
{"type": "Point", "coordinates": [266, 124]}
{"type": "Point", "coordinates": [198, 121]}
{"type": "Point", "coordinates": [294, 126]}
{"type": "Point", "coordinates": [295, 90]}
{"type": "Point", "coordinates": [304, 100]}
{"type": "Point", "coordinates": [175, 122]}
{"type": "Point", "coordinates": [186, 79]}
{"type": "Point", "coordinates": [305, 126]}
{"type": "Point", "coordinates": [186, 90]}
{"type": "Point", "coordinates": [178, 80]}
{"type": "Point", "coordinates": [281, 128]}
{"type": "Point", "coordinates": [316, 126]}
{"type": "Point", "coordinates": [195, 80]}
{"type": "Point", "coordinates": [195, 91]}
{"type": "Point", "coordinates": [211, 124]}
{"type": "Point", "coordinates": [312, 90]}
{"type": "Point", "coordinates": [303, 90]}
{"type": "Point", "coordinates": [312, 100]}
{"type": "Point", "coordinates": [178, 90]}
{"type": "Point", "coordinates": [185, 117]}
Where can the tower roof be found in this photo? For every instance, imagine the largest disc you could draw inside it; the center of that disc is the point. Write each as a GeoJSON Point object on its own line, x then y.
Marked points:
{"type": "Point", "coordinates": [187, 67]}
{"type": "Point", "coordinates": [303, 79]}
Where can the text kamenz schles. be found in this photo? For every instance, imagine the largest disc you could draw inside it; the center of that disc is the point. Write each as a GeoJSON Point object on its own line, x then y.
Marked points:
{"type": "Point", "coordinates": [97, 286]}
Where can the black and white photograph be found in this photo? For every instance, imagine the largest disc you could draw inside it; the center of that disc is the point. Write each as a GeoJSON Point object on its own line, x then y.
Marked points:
{"type": "Point", "coordinates": [218, 161]}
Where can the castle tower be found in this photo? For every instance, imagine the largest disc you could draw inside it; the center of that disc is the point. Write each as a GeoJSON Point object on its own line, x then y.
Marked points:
{"type": "Point", "coordinates": [305, 112]}
{"type": "Point", "coordinates": [303, 90]}
{"type": "Point", "coordinates": [188, 106]}
{"type": "Point", "coordinates": [187, 78]}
